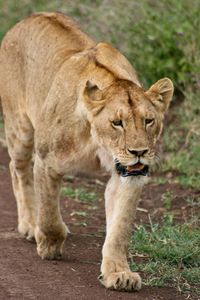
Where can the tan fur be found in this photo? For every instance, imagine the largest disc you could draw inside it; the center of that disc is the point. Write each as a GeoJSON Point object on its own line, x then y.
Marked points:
{"type": "Point", "coordinates": [60, 93]}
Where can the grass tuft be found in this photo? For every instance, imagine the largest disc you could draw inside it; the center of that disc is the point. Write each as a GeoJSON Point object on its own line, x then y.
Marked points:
{"type": "Point", "coordinates": [172, 255]}
{"type": "Point", "coordinates": [79, 194]}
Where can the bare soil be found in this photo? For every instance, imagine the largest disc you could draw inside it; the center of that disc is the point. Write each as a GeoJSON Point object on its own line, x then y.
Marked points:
{"type": "Point", "coordinates": [23, 275]}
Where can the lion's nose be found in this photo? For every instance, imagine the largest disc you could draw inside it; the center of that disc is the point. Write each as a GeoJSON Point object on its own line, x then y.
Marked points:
{"type": "Point", "coordinates": [138, 152]}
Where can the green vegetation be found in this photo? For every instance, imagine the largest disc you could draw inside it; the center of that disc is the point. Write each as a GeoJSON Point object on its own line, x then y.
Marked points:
{"type": "Point", "coordinates": [79, 194]}
{"type": "Point", "coordinates": [181, 143]}
{"type": "Point", "coordinates": [194, 202]}
{"type": "Point", "coordinates": [167, 198]}
{"type": "Point", "coordinates": [172, 255]}
{"type": "Point", "coordinates": [79, 213]}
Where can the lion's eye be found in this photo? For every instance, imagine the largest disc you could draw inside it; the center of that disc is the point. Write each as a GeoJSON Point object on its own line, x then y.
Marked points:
{"type": "Point", "coordinates": [149, 121]}
{"type": "Point", "coordinates": [117, 123]}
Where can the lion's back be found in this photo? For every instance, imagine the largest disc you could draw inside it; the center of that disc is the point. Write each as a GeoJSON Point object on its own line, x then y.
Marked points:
{"type": "Point", "coordinates": [32, 53]}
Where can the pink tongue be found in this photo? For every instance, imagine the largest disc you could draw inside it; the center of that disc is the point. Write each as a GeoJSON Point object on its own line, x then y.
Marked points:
{"type": "Point", "coordinates": [137, 167]}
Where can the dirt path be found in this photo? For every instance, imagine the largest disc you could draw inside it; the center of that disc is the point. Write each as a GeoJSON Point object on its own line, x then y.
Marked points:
{"type": "Point", "coordinates": [23, 275]}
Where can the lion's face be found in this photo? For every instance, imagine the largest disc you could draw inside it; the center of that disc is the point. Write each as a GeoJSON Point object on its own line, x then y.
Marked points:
{"type": "Point", "coordinates": [127, 121]}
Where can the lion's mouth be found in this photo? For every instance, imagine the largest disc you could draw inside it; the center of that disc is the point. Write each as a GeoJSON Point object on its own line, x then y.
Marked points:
{"type": "Point", "coordinates": [134, 170]}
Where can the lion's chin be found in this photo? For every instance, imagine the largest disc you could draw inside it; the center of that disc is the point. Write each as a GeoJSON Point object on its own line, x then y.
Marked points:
{"type": "Point", "coordinates": [137, 169]}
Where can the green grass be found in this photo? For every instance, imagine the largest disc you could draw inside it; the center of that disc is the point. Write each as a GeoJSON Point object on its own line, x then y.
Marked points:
{"type": "Point", "coordinates": [79, 213]}
{"type": "Point", "coordinates": [172, 255]}
{"type": "Point", "coordinates": [79, 194]}
{"type": "Point", "coordinates": [167, 198]}
{"type": "Point", "coordinates": [181, 143]}
{"type": "Point", "coordinates": [194, 202]}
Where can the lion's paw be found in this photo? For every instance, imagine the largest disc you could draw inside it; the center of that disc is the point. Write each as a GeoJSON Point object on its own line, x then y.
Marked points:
{"type": "Point", "coordinates": [50, 246]}
{"type": "Point", "coordinates": [121, 281]}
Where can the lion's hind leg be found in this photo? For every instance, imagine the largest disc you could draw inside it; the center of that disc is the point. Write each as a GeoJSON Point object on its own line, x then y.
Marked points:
{"type": "Point", "coordinates": [19, 135]}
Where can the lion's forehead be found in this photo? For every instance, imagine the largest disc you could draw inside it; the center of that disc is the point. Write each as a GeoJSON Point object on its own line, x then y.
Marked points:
{"type": "Point", "coordinates": [130, 98]}
{"type": "Point", "coordinates": [142, 109]}
{"type": "Point", "coordinates": [128, 101]}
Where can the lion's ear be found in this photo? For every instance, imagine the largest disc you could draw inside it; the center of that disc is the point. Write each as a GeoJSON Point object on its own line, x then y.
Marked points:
{"type": "Point", "coordinates": [161, 94]}
{"type": "Point", "coordinates": [93, 97]}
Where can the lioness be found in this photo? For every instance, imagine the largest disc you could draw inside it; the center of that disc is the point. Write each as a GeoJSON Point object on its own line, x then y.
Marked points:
{"type": "Point", "coordinates": [71, 104]}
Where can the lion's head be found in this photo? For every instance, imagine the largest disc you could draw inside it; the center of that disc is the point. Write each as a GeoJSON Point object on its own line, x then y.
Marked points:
{"type": "Point", "coordinates": [127, 121]}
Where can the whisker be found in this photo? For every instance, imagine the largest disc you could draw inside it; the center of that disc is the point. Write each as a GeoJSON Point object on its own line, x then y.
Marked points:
{"type": "Point", "coordinates": [157, 161]}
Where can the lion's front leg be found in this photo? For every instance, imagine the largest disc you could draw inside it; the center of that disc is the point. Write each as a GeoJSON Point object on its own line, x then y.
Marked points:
{"type": "Point", "coordinates": [121, 202]}
{"type": "Point", "coordinates": [50, 232]}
